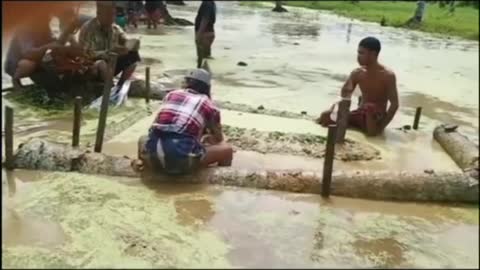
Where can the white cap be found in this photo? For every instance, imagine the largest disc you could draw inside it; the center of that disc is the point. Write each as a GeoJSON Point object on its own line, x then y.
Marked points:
{"type": "Point", "coordinates": [200, 75]}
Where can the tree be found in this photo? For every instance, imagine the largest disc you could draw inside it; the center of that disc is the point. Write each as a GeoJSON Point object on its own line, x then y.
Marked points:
{"type": "Point", "coordinates": [169, 20]}
{"type": "Point", "coordinates": [419, 13]}
{"type": "Point", "coordinates": [278, 7]}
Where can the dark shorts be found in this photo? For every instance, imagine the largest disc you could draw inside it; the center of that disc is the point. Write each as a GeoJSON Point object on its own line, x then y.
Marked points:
{"type": "Point", "coordinates": [125, 61]}
{"type": "Point", "coordinates": [174, 153]}
{"type": "Point", "coordinates": [48, 80]}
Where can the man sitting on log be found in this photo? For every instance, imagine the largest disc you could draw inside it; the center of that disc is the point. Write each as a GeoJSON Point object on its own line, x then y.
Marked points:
{"type": "Point", "coordinates": [101, 35]}
{"type": "Point", "coordinates": [377, 85]}
{"type": "Point", "coordinates": [175, 144]}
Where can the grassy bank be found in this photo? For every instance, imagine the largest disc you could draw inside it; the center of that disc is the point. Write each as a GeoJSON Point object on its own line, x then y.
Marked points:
{"type": "Point", "coordinates": [463, 23]}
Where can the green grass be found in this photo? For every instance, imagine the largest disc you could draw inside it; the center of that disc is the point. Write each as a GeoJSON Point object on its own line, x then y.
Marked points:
{"type": "Point", "coordinates": [463, 23]}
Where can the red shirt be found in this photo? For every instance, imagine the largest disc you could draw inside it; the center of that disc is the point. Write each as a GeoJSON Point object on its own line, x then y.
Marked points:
{"type": "Point", "coordinates": [186, 112]}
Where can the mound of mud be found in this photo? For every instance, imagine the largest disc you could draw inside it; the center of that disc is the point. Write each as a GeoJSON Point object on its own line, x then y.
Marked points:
{"type": "Point", "coordinates": [296, 144]}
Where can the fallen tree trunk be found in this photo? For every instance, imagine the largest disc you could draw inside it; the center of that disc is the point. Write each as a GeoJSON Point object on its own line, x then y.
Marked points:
{"type": "Point", "coordinates": [447, 186]}
{"type": "Point", "coordinates": [463, 151]}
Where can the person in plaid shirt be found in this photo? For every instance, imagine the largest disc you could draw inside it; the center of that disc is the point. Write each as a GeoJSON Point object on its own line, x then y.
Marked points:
{"type": "Point", "coordinates": [176, 143]}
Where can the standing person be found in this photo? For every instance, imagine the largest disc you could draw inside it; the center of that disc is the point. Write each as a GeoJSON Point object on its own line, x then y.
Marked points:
{"type": "Point", "coordinates": [100, 36]}
{"type": "Point", "coordinates": [378, 86]}
{"type": "Point", "coordinates": [121, 14]}
{"type": "Point", "coordinates": [175, 144]}
{"type": "Point", "coordinates": [153, 10]}
{"type": "Point", "coordinates": [135, 9]}
{"type": "Point", "coordinates": [204, 30]}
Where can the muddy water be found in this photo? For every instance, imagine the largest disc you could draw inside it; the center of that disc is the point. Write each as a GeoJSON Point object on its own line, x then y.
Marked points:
{"type": "Point", "coordinates": [151, 225]}
{"type": "Point", "coordinates": [398, 150]}
{"type": "Point", "coordinates": [439, 74]}
{"type": "Point", "coordinates": [148, 225]}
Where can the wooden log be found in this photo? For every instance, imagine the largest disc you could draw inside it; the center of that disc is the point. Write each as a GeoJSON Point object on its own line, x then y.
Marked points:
{"type": "Point", "coordinates": [147, 84]}
{"type": "Point", "coordinates": [9, 159]}
{"type": "Point", "coordinates": [382, 185]}
{"type": "Point", "coordinates": [77, 118]}
{"type": "Point", "coordinates": [328, 160]}
{"type": "Point", "coordinates": [342, 119]}
{"type": "Point", "coordinates": [416, 120]}
{"type": "Point", "coordinates": [463, 151]}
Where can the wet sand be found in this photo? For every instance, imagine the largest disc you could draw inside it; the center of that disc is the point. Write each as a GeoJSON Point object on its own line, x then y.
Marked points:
{"type": "Point", "coordinates": [241, 227]}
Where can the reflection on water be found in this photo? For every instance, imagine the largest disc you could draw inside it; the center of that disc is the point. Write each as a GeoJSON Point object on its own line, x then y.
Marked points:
{"type": "Point", "coordinates": [295, 30]}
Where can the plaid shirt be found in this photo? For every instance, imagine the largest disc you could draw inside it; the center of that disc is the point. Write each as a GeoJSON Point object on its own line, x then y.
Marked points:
{"type": "Point", "coordinates": [186, 112]}
{"type": "Point", "coordinates": [93, 38]}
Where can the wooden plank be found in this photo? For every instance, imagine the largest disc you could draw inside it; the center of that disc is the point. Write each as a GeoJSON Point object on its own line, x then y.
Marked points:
{"type": "Point", "coordinates": [77, 118]}
{"type": "Point", "coordinates": [9, 138]}
{"type": "Point", "coordinates": [328, 161]}
{"type": "Point", "coordinates": [102, 119]}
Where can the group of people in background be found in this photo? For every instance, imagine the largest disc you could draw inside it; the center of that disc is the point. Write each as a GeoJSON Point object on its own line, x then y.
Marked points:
{"type": "Point", "coordinates": [187, 133]}
{"type": "Point", "coordinates": [129, 13]}
{"type": "Point", "coordinates": [54, 63]}
{"type": "Point", "coordinates": [83, 45]}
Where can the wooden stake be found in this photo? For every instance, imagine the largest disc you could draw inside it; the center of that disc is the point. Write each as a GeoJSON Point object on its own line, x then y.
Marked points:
{"type": "Point", "coordinates": [9, 138]}
{"type": "Point", "coordinates": [328, 161]}
{"type": "Point", "coordinates": [102, 119]}
{"type": "Point", "coordinates": [147, 84]}
{"type": "Point", "coordinates": [342, 120]}
{"type": "Point", "coordinates": [416, 121]}
{"type": "Point", "coordinates": [77, 118]}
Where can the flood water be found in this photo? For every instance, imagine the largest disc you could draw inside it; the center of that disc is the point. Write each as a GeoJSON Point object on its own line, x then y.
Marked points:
{"type": "Point", "coordinates": [440, 75]}
{"type": "Point", "coordinates": [72, 220]}
{"type": "Point", "coordinates": [60, 219]}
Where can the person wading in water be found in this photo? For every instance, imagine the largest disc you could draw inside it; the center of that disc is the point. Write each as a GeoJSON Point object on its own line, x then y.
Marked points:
{"type": "Point", "coordinates": [204, 30]}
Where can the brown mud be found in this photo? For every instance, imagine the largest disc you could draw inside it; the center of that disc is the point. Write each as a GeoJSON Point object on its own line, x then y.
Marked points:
{"type": "Point", "coordinates": [296, 144]}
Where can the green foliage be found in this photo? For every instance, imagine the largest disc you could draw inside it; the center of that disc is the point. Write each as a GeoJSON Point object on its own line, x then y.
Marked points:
{"type": "Point", "coordinates": [463, 23]}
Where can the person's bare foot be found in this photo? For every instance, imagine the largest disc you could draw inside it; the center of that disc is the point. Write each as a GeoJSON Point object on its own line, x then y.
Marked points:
{"type": "Point", "coordinates": [137, 165]}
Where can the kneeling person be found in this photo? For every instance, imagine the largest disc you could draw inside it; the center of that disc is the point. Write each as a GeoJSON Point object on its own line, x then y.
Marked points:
{"type": "Point", "coordinates": [175, 143]}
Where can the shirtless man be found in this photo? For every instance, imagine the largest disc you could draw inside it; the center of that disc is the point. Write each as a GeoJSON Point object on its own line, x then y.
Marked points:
{"type": "Point", "coordinates": [378, 86]}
